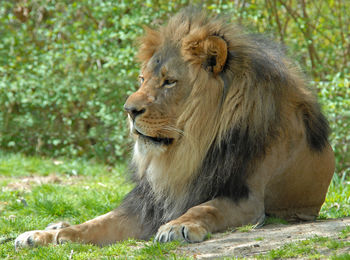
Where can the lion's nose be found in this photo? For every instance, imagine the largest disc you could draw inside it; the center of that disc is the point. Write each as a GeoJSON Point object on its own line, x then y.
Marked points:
{"type": "Point", "coordinates": [134, 111]}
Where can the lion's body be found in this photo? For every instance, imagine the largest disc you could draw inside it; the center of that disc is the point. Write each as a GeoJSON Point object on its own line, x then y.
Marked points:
{"type": "Point", "coordinates": [225, 131]}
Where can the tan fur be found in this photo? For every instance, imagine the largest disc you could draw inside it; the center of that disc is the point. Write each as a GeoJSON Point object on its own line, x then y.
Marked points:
{"type": "Point", "coordinates": [183, 96]}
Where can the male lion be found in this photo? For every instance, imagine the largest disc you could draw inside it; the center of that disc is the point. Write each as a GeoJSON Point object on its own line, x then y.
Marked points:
{"type": "Point", "coordinates": [225, 132]}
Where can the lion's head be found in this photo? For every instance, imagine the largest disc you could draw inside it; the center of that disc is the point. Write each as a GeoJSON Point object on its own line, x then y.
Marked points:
{"type": "Point", "coordinates": [181, 86]}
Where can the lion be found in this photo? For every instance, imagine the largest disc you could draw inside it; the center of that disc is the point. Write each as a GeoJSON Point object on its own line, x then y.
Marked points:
{"type": "Point", "coordinates": [226, 131]}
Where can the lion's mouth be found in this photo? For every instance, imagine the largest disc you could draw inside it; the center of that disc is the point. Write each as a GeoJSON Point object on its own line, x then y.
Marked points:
{"type": "Point", "coordinates": [156, 140]}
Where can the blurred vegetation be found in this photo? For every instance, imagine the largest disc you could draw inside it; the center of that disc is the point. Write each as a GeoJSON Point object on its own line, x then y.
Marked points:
{"type": "Point", "coordinates": [66, 67]}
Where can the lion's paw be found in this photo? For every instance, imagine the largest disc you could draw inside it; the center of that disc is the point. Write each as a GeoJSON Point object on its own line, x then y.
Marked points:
{"type": "Point", "coordinates": [189, 232]}
{"type": "Point", "coordinates": [34, 238]}
{"type": "Point", "coordinates": [58, 225]}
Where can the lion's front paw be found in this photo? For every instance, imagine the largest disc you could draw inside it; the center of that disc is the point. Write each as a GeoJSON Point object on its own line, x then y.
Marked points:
{"type": "Point", "coordinates": [34, 238]}
{"type": "Point", "coordinates": [189, 232]}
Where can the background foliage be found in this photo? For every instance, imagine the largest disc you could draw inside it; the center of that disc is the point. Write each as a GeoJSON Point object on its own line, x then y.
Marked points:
{"type": "Point", "coordinates": [66, 67]}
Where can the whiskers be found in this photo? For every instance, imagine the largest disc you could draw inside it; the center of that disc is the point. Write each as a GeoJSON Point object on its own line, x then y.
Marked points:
{"type": "Point", "coordinates": [172, 129]}
{"type": "Point", "coordinates": [181, 133]}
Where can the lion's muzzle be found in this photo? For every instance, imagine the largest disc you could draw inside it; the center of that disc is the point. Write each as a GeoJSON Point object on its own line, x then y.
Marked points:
{"type": "Point", "coordinates": [134, 111]}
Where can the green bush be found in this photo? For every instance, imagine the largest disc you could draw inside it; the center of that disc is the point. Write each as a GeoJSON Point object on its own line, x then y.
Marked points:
{"type": "Point", "coordinates": [335, 98]}
{"type": "Point", "coordinates": [66, 67]}
{"type": "Point", "coordinates": [65, 72]}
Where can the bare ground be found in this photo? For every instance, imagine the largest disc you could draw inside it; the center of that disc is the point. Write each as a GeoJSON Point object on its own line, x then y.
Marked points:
{"type": "Point", "coordinates": [260, 241]}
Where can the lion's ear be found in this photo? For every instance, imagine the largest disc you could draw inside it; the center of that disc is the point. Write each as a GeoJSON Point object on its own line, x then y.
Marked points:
{"type": "Point", "coordinates": [216, 50]}
{"type": "Point", "coordinates": [210, 52]}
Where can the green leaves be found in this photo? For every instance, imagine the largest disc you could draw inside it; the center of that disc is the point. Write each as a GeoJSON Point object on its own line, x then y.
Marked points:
{"type": "Point", "coordinates": [63, 79]}
{"type": "Point", "coordinates": [335, 98]}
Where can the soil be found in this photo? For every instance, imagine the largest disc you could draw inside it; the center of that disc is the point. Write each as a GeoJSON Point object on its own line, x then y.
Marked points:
{"type": "Point", "coordinates": [260, 241]}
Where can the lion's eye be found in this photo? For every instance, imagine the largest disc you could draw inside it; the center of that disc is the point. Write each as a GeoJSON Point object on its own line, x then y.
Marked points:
{"type": "Point", "coordinates": [169, 83]}
{"type": "Point", "coordinates": [141, 79]}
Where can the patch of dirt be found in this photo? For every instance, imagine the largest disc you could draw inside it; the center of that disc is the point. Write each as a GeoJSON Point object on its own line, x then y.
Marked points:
{"type": "Point", "coordinates": [260, 241]}
{"type": "Point", "coordinates": [25, 183]}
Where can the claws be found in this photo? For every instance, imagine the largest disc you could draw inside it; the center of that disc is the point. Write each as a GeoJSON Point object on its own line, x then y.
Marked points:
{"type": "Point", "coordinates": [17, 245]}
{"type": "Point", "coordinates": [30, 241]}
{"type": "Point", "coordinates": [163, 238]}
{"type": "Point", "coordinates": [189, 233]}
{"type": "Point", "coordinates": [185, 234]}
{"type": "Point", "coordinates": [171, 236]}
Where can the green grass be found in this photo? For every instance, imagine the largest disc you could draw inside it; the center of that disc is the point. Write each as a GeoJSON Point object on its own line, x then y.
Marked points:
{"type": "Point", "coordinates": [313, 248]}
{"type": "Point", "coordinates": [75, 191]}
{"type": "Point", "coordinates": [337, 202]}
{"type": "Point", "coordinates": [274, 220]}
{"type": "Point", "coordinates": [345, 233]}
{"type": "Point", "coordinates": [246, 228]}
{"type": "Point", "coordinates": [37, 191]}
{"type": "Point", "coordinates": [126, 249]}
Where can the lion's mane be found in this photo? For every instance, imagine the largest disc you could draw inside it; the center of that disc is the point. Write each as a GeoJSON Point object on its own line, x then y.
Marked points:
{"type": "Point", "coordinates": [229, 123]}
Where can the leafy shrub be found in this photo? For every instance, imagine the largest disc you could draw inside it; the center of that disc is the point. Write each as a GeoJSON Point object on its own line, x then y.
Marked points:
{"type": "Point", "coordinates": [65, 72]}
{"type": "Point", "coordinates": [66, 67]}
{"type": "Point", "coordinates": [335, 98]}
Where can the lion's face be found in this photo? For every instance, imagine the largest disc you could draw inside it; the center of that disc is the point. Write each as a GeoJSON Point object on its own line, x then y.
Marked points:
{"type": "Point", "coordinates": [154, 108]}
{"type": "Point", "coordinates": [179, 86]}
